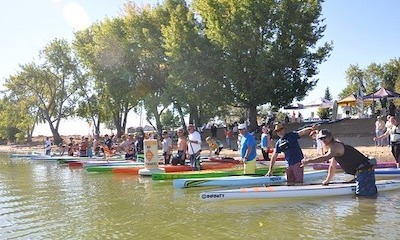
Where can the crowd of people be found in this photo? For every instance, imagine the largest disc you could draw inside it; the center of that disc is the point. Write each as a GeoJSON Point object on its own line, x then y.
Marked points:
{"type": "Point", "coordinates": [85, 146]}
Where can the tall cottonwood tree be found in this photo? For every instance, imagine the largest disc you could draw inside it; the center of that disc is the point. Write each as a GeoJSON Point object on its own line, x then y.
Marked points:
{"type": "Point", "coordinates": [49, 85]}
{"type": "Point", "coordinates": [143, 27]}
{"type": "Point", "coordinates": [114, 64]}
{"type": "Point", "coordinates": [195, 81]}
{"type": "Point", "coordinates": [270, 48]}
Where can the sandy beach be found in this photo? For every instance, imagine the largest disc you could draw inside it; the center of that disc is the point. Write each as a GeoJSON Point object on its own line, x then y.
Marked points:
{"type": "Point", "coordinates": [380, 153]}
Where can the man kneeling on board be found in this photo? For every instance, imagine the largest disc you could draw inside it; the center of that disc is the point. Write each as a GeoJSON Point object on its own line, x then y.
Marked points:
{"type": "Point", "coordinates": [351, 161]}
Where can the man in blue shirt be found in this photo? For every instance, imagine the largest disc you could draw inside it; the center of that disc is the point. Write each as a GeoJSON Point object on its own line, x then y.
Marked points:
{"type": "Point", "coordinates": [289, 144]}
{"type": "Point", "coordinates": [248, 148]}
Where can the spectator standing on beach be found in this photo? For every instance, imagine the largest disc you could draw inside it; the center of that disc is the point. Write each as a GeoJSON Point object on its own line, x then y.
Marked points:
{"type": "Point", "coordinates": [350, 160]}
{"type": "Point", "coordinates": [319, 143]}
{"type": "Point", "coordinates": [248, 148]}
{"type": "Point", "coordinates": [394, 133]}
{"type": "Point", "coordinates": [289, 144]}
{"type": "Point", "coordinates": [228, 137]}
{"type": "Point", "coordinates": [89, 151]}
{"type": "Point", "coordinates": [71, 147]}
{"type": "Point", "coordinates": [96, 145]}
{"type": "Point", "coordinates": [194, 147]}
{"type": "Point", "coordinates": [265, 142]}
{"type": "Point", "coordinates": [392, 109]}
{"type": "Point", "coordinates": [213, 131]}
{"type": "Point", "coordinates": [235, 130]}
{"type": "Point", "coordinates": [379, 130]}
{"type": "Point", "coordinates": [388, 125]}
{"type": "Point", "coordinates": [47, 146]}
{"type": "Point", "coordinates": [83, 146]}
{"type": "Point", "coordinates": [166, 147]}
{"type": "Point", "coordinates": [180, 156]}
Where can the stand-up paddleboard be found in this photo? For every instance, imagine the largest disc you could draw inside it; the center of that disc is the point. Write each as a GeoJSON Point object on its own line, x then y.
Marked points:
{"type": "Point", "coordinates": [88, 164]}
{"type": "Point", "coordinates": [173, 169]}
{"type": "Point", "coordinates": [241, 180]}
{"type": "Point", "coordinates": [24, 155]}
{"type": "Point", "coordinates": [294, 191]}
{"type": "Point", "coordinates": [109, 167]}
{"type": "Point", "coordinates": [237, 159]}
{"type": "Point", "coordinates": [387, 172]}
{"type": "Point", "coordinates": [208, 174]}
{"type": "Point", "coordinates": [325, 166]}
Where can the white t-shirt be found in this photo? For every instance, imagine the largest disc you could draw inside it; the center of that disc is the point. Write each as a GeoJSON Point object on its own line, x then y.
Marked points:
{"type": "Point", "coordinates": [47, 145]}
{"type": "Point", "coordinates": [194, 147]}
{"type": "Point", "coordinates": [166, 144]}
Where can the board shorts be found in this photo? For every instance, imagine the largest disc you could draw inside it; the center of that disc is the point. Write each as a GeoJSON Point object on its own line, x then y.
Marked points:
{"type": "Point", "coordinates": [250, 167]}
{"type": "Point", "coordinates": [295, 173]}
{"type": "Point", "coordinates": [396, 151]}
{"type": "Point", "coordinates": [365, 183]}
{"type": "Point", "coordinates": [167, 157]}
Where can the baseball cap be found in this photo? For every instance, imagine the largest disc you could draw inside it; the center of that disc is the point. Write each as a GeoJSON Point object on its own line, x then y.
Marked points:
{"type": "Point", "coordinates": [242, 126]}
{"type": "Point", "coordinates": [324, 133]}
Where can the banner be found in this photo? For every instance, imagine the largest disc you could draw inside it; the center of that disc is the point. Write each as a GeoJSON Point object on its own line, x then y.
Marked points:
{"type": "Point", "coordinates": [360, 104]}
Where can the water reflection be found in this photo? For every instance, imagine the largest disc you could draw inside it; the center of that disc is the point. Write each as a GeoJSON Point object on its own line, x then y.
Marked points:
{"type": "Point", "coordinates": [44, 200]}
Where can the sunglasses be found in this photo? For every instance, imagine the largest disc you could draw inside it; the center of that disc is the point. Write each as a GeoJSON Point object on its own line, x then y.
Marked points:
{"type": "Point", "coordinates": [322, 138]}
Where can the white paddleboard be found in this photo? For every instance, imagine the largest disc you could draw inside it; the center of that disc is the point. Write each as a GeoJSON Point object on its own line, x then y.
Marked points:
{"type": "Point", "coordinates": [293, 191]}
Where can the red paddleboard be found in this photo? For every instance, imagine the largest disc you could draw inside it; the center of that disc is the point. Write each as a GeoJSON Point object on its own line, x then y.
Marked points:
{"type": "Point", "coordinates": [171, 168]}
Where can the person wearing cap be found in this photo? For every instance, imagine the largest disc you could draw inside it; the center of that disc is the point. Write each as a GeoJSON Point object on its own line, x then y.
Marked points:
{"type": "Point", "coordinates": [394, 133]}
{"type": "Point", "coordinates": [248, 148]}
{"type": "Point", "coordinates": [289, 144]}
{"type": "Point", "coordinates": [194, 147]}
{"type": "Point", "coordinates": [166, 147]}
{"type": "Point", "coordinates": [350, 160]}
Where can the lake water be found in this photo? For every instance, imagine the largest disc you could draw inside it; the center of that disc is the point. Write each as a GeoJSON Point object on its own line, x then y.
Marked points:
{"type": "Point", "coordinates": [44, 200]}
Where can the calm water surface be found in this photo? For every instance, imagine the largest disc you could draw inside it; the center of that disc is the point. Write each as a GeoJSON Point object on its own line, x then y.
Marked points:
{"type": "Point", "coordinates": [44, 200]}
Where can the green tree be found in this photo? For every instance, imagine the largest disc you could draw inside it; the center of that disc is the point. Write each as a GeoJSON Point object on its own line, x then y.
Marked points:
{"type": "Point", "coordinates": [327, 95]}
{"type": "Point", "coordinates": [50, 85]}
{"type": "Point", "coordinates": [143, 27]}
{"type": "Point", "coordinates": [196, 83]}
{"type": "Point", "coordinates": [325, 113]}
{"type": "Point", "coordinates": [168, 120]}
{"type": "Point", "coordinates": [269, 47]}
{"type": "Point", "coordinates": [106, 52]}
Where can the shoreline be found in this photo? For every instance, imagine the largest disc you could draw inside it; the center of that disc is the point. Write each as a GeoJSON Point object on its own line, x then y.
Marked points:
{"type": "Point", "coordinates": [382, 154]}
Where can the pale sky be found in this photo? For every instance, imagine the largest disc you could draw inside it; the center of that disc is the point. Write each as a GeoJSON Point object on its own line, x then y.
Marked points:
{"type": "Point", "coordinates": [363, 32]}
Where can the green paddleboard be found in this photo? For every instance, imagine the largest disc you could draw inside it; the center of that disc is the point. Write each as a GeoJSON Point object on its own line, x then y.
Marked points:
{"type": "Point", "coordinates": [214, 173]}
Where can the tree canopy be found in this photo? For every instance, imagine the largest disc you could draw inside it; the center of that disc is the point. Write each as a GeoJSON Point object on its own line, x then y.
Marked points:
{"type": "Point", "coordinates": [203, 60]}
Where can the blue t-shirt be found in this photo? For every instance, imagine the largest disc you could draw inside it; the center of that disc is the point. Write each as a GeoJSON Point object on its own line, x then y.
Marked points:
{"type": "Point", "coordinates": [248, 140]}
{"type": "Point", "coordinates": [264, 140]}
{"type": "Point", "coordinates": [293, 153]}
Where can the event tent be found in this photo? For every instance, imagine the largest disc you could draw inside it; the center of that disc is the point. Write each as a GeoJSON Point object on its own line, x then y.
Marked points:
{"type": "Point", "coordinates": [319, 102]}
{"type": "Point", "coordinates": [351, 100]}
{"type": "Point", "coordinates": [383, 93]}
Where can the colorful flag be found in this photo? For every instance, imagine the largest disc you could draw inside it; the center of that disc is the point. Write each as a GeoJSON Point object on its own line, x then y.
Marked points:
{"type": "Point", "coordinates": [360, 104]}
